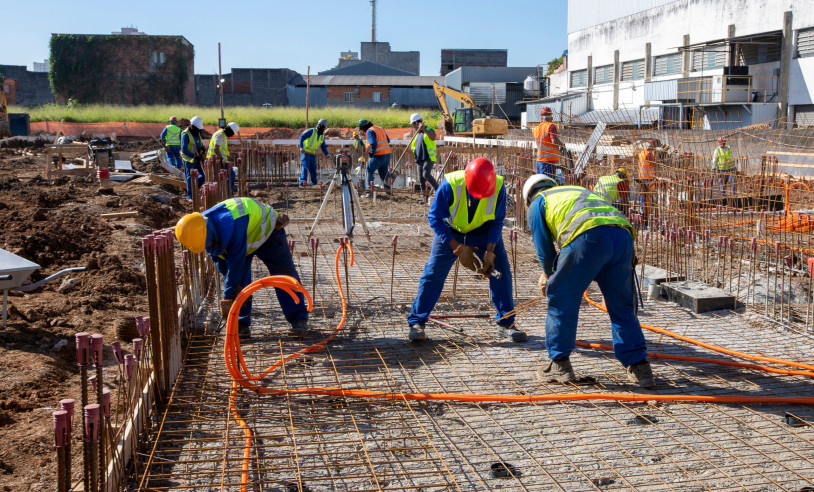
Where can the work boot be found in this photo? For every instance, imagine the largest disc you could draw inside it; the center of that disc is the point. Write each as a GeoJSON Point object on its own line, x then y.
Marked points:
{"type": "Point", "coordinates": [299, 326]}
{"type": "Point", "coordinates": [558, 371]}
{"type": "Point", "coordinates": [513, 332]}
{"type": "Point", "coordinates": [417, 333]}
{"type": "Point", "coordinates": [244, 330]}
{"type": "Point", "coordinates": [642, 374]}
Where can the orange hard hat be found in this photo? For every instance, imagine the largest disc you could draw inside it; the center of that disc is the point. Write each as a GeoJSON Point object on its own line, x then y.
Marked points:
{"type": "Point", "coordinates": [545, 111]}
{"type": "Point", "coordinates": [480, 178]}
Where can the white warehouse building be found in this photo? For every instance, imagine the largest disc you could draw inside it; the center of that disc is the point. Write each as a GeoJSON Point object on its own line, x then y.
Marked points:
{"type": "Point", "coordinates": [703, 64]}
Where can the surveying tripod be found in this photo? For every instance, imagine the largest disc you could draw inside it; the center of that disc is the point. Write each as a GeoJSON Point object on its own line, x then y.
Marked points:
{"type": "Point", "coordinates": [350, 198]}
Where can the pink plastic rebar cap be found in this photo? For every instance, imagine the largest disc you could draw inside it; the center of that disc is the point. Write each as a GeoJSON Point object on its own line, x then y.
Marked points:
{"type": "Point", "coordinates": [92, 381]}
{"type": "Point", "coordinates": [82, 348]}
{"type": "Point", "coordinates": [97, 344]}
{"type": "Point", "coordinates": [60, 427]}
{"type": "Point", "coordinates": [138, 345]}
{"type": "Point", "coordinates": [68, 405]}
{"type": "Point", "coordinates": [92, 422]}
{"type": "Point", "coordinates": [106, 402]}
{"type": "Point", "coordinates": [117, 351]}
{"type": "Point", "coordinates": [129, 365]}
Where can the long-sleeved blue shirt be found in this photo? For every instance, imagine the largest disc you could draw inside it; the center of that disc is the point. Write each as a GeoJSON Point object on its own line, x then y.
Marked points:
{"type": "Point", "coordinates": [439, 214]}
{"type": "Point", "coordinates": [543, 242]}
{"type": "Point", "coordinates": [371, 140]}
{"type": "Point", "coordinates": [226, 237]}
{"type": "Point", "coordinates": [185, 145]}
{"type": "Point", "coordinates": [306, 135]}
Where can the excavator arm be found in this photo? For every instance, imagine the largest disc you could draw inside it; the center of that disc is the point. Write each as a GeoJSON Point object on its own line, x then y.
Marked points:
{"type": "Point", "coordinates": [468, 120]}
{"type": "Point", "coordinates": [440, 92]}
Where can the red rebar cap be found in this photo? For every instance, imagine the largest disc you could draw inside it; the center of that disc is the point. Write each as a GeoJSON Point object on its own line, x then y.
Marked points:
{"type": "Point", "coordinates": [92, 422]}
{"type": "Point", "coordinates": [92, 381]}
{"type": "Point", "coordinates": [97, 343]}
{"type": "Point", "coordinates": [129, 365]}
{"type": "Point", "coordinates": [60, 427]}
{"type": "Point", "coordinates": [106, 402]}
{"type": "Point", "coordinates": [68, 405]}
{"type": "Point", "coordinates": [138, 344]}
{"type": "Point", "coordinates": [82, 348]}
{"type": "Point", "coordinates": [117, 351]}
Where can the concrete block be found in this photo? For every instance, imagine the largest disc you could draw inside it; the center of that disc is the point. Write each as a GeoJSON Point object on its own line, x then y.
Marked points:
{"type": "Point", "coordinates": [654, 275]}
{"type": "Point", "coordinates": [698, 297]}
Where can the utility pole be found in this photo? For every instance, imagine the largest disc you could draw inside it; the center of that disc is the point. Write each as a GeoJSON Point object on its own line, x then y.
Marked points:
{"type": "Point", "coordinates": [220, 85]}
{"type": "Point", "coordinates": [307, 92]}
{"type": "Point", "coordinates": [373, 21]}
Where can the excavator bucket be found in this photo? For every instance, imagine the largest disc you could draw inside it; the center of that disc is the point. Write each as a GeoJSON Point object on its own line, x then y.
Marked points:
{"type": "Point", "coordinates": [448, 126]}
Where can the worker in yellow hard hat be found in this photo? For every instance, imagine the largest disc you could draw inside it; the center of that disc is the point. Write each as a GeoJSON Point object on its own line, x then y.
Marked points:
{"type": "Point", "coordinates": [232, 233]}
{"type": "Point", "coordinates": [615, 189]}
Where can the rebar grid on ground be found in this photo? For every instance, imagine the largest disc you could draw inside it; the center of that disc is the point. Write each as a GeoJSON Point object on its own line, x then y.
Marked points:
{"type": "Point", "coordinates": [328, 443]}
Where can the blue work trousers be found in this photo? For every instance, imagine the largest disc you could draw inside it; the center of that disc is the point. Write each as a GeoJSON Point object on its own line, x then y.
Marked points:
{"type": "Point", "coordinates": [309, 165]}
{"type": "Point", "coordinates": [277, 257]}
{"type": "Point", "coordinates": [603, 254]}
{"type": "Point", "coordinates": [380, 163]}
{"type": "Point", "coordinates": [726, 179]}
{"type": "Point", "coordinates": [188, 166]}
{"type": "Point", "coordinates": [547, 168]}
{"type": "Point", "coordinates": [174, 156]}
{"type": "Point", "coordinates": [228, 166]}
{"type": "Point", "coordinates": [437, 268]}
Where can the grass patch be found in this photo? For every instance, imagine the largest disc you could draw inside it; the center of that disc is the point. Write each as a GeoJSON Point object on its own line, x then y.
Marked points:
{"type": "Point", "coordinates": [284, 117]}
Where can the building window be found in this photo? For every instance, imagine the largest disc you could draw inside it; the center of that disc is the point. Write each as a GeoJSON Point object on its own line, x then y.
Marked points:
{"type": "Point", "coordinates": [579, 78]}
{"type": "Point", "coordinates": [633, 70]}
{"type": "Point", "coordinates": [349, 97]}
{"type": "Point", "coordinates": [157, 59]}
{"type": "Point", "coordinates": [763, 53]}
{"type": "Point", "coordinates": [603, 74]}
{"type": "Point", "coordinates": [377, 97]}
{"type": "Point", "coordinates": [805, 42]}
{"type": "Point", "coordinates": [667, 64]}
{"type": "Point", "coordinates": [704, 60]}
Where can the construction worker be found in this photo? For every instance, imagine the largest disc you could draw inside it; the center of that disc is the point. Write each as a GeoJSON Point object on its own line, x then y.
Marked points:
{"type": "Point", "coordinates": [192, 152]}
{"type": "Point", "coordinates": [614, 189]}
{"type": "Point", "coordinates": [378, 151]}
{"type": "Point", "coordinates": [311, 140]}
{"type": "Point", "coordinates": [171, 140]}
{"type": "Point", "coordinates": [647, 175]}
{"type": "Point", "coordinates": [232, 233]}
{"type": "Point", "coordinates": [548, 144]}
{"type": "Point", "coordinates": [467, 217]}
{"type": "Point", "coordinates": [595, 242]}
{"type": "Point", "coordinates": [219, 147]}
{"type": "Point", "coordinates": [723, 164]}
{"type": "Point", "coordinates": [423, 147]}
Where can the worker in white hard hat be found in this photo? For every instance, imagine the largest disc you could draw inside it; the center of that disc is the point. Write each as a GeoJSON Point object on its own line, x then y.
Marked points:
{"type": "Point", "coordinates": [219, 149]}
{"type": "Point", "coordinates": [311, 140]}
{"type": "Point", "coordinates": [595, 243]}
{"type": "Point", "coordinates": [423, 147]}
{"type": "Point", "coordinates": [192, 152]}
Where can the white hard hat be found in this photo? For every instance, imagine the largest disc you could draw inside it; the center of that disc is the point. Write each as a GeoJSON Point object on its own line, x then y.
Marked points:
{"type": "Point", "coordinates": [535, 184]}
{"type": "Point", "coordinates": [197, 122]}
{"type": "Point", "coordinates": [323, 123]}
{"type": "Point", "coordinates": [415, 117]}
{"type": "Point", "coordinates": [234, 126]}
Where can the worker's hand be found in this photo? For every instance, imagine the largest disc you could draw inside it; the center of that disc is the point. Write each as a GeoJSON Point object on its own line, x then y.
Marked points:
{"type": "Point", "coordinates": [488, 263]}
{"type": "Point", "coordinates": [225, 306]}
{"type": "Point", "coordinates": [466, 254]}
{"type": "Point", "coordinates": [282, 221]}
{"type": "Point", "coordinates": [542, 283]}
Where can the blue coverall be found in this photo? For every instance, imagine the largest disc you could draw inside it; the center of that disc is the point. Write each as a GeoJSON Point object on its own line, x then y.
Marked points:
{"type": "Point", "coordinates": [604, 254]}
{"type": "Point", "coordinates": [442, 258]}
{"type": "Point", "coordinates": [190, 166]}
{"type": "Point", "coordinates": [174, 154]}
{"type": "Point", "coordinates": [309, 161]}
{"type": "Point", "coordinates": [380, 163]}
{"type": "Point", "coordinates": [226, 237]}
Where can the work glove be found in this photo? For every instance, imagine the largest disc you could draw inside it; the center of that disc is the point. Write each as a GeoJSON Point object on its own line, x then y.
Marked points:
{"type": "Point", "coordinates": [488, 263]}
{"type": "Point", "coordinates": [225, 306]}
{"type": "Point", "coordinates": [542, 283]}
{"type": "Point", "coordinates": [282, 221]}
{"type": "Point", "coordinates": [466, 254]}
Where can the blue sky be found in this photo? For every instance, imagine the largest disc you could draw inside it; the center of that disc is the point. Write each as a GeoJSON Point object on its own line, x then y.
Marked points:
{"type": "Point", "coordinates": [297, 33]}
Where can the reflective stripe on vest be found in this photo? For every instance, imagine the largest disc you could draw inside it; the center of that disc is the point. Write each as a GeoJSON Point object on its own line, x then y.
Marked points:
{"type": "Point", "coordinates": [429, 143]}
{"type": "Point", "coordinates": [193, 145]}
{"type": "Point", "coordinates": [260, 220]}
{"type": "Point", "coordinates": [312, 143]}
{"type": "Point", "coordinates": [459, 215]}
{"type": "Point", "coordinates": [173, 136]}
{"type": "Point", "coordinates": [647, 168]}
{"type": "Point", "coordinates": [723, 158]}
{"type": "Point", "coordinates": [572, 210]}
{"type": "Point", "coordinates": [224, 149]}
{"type": "Point", "coordinates": [546, 150]}
{"type": "Point", "coordinates": [608, 187]}
{"type": "Point", "coordinates": [382, 145]}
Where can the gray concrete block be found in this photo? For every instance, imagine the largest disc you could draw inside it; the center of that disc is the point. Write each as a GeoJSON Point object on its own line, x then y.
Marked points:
{"type": "Point", "coordinates": [698, 297]}
{"type": "Point", "coordinates": [655, 275]}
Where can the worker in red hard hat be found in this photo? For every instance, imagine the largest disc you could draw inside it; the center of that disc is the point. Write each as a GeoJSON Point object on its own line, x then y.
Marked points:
{"type": "Point", "coordinates": [548, 144]}
{"type": "Point", "coordinates": [467, 217]}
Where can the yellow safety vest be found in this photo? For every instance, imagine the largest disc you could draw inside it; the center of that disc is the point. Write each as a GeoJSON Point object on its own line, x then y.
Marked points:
{"type": "Point", "coordinates": [572, 210]}
{"type": "Point", "coordinates": [723, 158]}
{"type": "Point", "coordinates": [173, 135]}
{"type": "Point", "coordinates": [429, 143]}
{"type": "Point", "coordinates": [193, 146]}
{"type": "Point", "coordinates": [311, 144]}
{"type": "Point", "coordinates": [262, 219]}
{"type": "Point", "coordinates": [608, 187]}
{"type": "Point", "coordinates": [459, 210]}
{"type": "Point", "coordinates": [224, 149]}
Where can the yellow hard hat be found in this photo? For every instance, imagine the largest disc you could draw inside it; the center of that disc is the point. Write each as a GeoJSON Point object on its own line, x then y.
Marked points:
{"type": "Point", "coordinates": [623, 172]}
{"type": "Point", "coordinates": [191, 232]}
{"type": "Point", "coordinates": [355, 133]}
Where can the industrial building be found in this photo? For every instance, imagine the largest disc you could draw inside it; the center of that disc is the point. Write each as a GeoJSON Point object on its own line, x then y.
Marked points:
{"type": "Point", "coordinates": [245, 87]}
{"type": "Point", "coordinates": [452, 59]}
{"type": "Point", "coordinates": [25, 87]}
{"type": "Point", "coordinates": [363, 90]}
{"type": "Point", "coordinates": [498, 87]}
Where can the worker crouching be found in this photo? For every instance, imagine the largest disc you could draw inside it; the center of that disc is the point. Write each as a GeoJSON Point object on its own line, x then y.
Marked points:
{"type": "Point", "coordinates": [467, 217]}
{"type": "Point", "coordinates": [232, 233]}
{"type": "Point", "coordinates": [596, 243]}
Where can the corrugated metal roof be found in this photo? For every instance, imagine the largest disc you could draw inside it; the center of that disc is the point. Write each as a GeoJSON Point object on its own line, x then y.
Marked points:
{"type": "Point", "coordinates": [366, 68]}
{"type": "Point", "coordinates": [618, 117]}
{"type": "Point", "coordinates": [490, 74]}
{"type": "Point", "coordinates": [368, 80]}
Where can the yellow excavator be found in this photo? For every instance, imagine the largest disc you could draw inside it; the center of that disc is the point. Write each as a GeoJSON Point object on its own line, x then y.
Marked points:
{"type": "Point", "coordinates": [470, 119]}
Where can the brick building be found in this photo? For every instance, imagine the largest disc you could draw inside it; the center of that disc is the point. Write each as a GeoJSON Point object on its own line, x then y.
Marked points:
{"type": "Point", "coordinates": [25, 87]}
{"type": "Point", "coordinates": [245, 87]}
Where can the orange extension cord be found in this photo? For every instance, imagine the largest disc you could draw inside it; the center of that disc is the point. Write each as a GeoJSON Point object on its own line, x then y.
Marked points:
{"type": "Point", "coordinates": [242, 377]}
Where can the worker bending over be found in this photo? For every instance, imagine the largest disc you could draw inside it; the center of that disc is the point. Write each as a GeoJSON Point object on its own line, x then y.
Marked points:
{"type": "Point", "coordinates": [378, 151]}
{"type": "Point", "coordinates": [548, 144]}
{"type": "Point", "coordinates": [219, 147]}
{"type": "Point", "coordinates": [192, 152]}
{"type": "Point", "coordinates": [596, 243]}
{"type": "Point", "coordinates": [232, 233]}
{"type": "Point", "coordinates": [171, 140]}
{"type": "Point", "coordinates": [467, 218]}
{"type": "Point", "coordinates": [312, 140]}
{"type": "Point", "coordinates": [723, 164]}
{"type": "Point", "coordinates": [423, 147]}
{"type": "Point", "coordinates": [614, 189]}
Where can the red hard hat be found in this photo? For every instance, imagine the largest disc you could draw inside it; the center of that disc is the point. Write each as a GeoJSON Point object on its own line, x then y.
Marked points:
{"type": "Point", "coordinates": [480, 178]}
{"type": "Point", "coordinates": [173, 118]}
{"type": "Point", "coordinates": [545, 111]}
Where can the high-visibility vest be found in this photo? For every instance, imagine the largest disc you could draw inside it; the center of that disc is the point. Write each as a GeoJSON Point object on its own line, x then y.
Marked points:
{"type": "Point", "coordinates": [382, 145]}
{"type": "Point", "coordinates": [262, 219]}
{"type": "Point", "coordinates": [546, 150]}
{"type": "Point", "coordinates": [723, 158]}
{"type": "Point", "coordinates": [173, 135]}
{"type": "Point", "coordinates": [311, 144]}
{"type": "Point", "coordinates": [572, 210]}
{"type": "Point", "coordinates": [459, 210]}
{"type": "Point", "coordinates": [224, 148]}
{"type": "Point", "coordinates": [193, 146]}
{"type": "Point", "coordinates": [608, 187]}
{"type": "Point", "coordinates": [647, 165]}
{"type": "Point", "coordinates": [429, 143]}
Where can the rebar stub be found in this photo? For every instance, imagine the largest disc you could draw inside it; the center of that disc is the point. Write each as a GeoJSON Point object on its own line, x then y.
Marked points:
{"type": "Point", "coordinates": [82, 348]}
{"type": "Point", "coordinates": [503, 470]}
{"type": "Point", "coordinates": [92, 422]}
{"type": "Point", "coordinates": [643, 420]}
{"type": "Point", "coordinates": [794, 421]}
{"type": "Point", "coordinates": [60, 427]}
{"type": "Point", "coordinates": [106, 402]}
